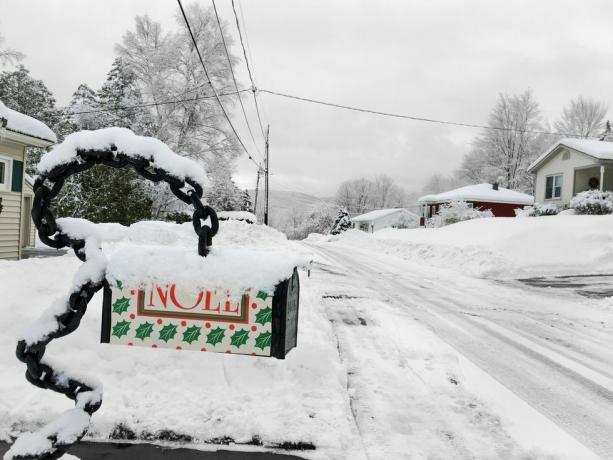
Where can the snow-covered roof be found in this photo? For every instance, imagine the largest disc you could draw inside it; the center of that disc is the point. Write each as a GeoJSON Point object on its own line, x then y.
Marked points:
{"type": "Point", "coordinates": [127, 143]}
{"type": "Point", "coordinates": [379, 213]}
{"type": "Point", "coordinates": [480, 192]}
{"type": "Point", "coordinates": [23, 124]}
{"type": "Point", "coordinates": [601, 150]}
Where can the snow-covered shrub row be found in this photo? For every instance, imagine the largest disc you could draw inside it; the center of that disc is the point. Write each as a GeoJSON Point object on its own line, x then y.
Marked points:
{"type": "Point", "coordinates": [547, 209]}
{"type": "Point", "coordinates": [456, 211]}
{"type": "Point", "coordinates": [593, 202]}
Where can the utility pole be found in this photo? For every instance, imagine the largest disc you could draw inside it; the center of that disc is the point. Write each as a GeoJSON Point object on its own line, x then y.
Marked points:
{"type": "Point", "coordinates": [266, 179]}
{"type": "Point", "coordinates": [257, 187]}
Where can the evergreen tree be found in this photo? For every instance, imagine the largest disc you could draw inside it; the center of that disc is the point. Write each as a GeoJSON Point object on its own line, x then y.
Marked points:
{"type": "Point", "coordinates": [342, 222]}
{"type": "Point", "coordinates": [102, 194]}
{"type": "Point", "coordinates": [20, 92]}
{"type": "Point", "coordinates": [245, 202]}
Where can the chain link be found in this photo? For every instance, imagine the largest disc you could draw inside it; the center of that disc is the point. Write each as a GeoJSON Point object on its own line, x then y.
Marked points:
{"type": "Point", "coordinates": [41, 374]}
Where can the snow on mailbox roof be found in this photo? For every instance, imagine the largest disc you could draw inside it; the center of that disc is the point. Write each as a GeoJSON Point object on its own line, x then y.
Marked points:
{"type": "Point", "coordinates": [127, 143]}
{"type": "Point", "coordinates": [480, 192]}
{"type": "Point", "coordinates": [602, 150]}
{"type": "Point", "coordinates": [23, 124]}
{"type": "Point", "coordinates": [377, 214]}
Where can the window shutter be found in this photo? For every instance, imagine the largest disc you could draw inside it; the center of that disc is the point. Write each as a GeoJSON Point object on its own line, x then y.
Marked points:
{"type": "Point", "coordinates": [17, 178]}
{"type": "Point", "coordinates": [548, 187]}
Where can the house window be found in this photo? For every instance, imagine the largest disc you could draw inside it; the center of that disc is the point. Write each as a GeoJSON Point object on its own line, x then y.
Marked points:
{"type": "Point", "coordinates": [553, 187]}
{"type": "Point", "coordinates": [5, 173]}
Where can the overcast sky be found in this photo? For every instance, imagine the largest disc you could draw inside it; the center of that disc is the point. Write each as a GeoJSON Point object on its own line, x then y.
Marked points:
{"type": "Point", "coordinates": [437, 59]}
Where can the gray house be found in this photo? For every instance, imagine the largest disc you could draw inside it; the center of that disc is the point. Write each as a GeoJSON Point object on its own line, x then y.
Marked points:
{"type": "Point", "coordinates": [571, 166]}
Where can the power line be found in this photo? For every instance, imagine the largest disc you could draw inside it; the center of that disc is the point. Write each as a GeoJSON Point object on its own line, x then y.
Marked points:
{"type": "Point", "coordinates": [150, 104]}
{"type": "Point", "coordinates": [409, 117]}
{"type": "Point", "coordinates": [240, 100]}
{"type": "Point", "coordinates": [206, 73]}
{"type": "Point", "coordinates": [251, 77]}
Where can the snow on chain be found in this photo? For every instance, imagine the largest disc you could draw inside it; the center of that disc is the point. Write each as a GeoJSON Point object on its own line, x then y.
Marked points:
{"type": "Point", "coordinates": [127, 143]}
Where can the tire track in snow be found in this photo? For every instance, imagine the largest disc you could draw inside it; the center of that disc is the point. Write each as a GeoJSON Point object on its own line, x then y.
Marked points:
{"type": "Point", "coordinates": [397, 412]}
{"type": "Point", "coordinates": [573, 401]}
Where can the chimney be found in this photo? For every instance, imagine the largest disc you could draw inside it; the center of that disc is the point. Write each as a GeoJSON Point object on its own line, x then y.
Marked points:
{"type": "Point", "coordinates": [495, 185]}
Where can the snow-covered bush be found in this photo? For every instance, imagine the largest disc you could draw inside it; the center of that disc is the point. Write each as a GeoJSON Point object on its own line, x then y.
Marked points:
{"type": "Point", "coordinates": [538, 210]}
{"type": "Point", "coordinates": [456, 211]}
{"type": "Point", "coordinates": [342, 222]}
{"type": "Point", "coordinates": [592, 202]}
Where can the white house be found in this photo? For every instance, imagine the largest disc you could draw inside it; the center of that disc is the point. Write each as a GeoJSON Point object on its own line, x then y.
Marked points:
{"type": "Point", "coordinates": [571, 166]}
{"type": "Point", "coordinates": [17, 131]}
{"type": "Point", "coordinates": [385, 218]}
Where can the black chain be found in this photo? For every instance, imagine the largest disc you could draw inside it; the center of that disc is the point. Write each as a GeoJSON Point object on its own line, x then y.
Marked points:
{"type": "Point", "coordinates": [46, 188]}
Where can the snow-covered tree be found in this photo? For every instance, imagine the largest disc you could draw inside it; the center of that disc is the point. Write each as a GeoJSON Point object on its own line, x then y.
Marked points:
{"type": "Point", "coordinates": [456, 211]}
{"type": "Point", "coordinates": [166, 68]}
{"type": "Point", "coordinates": [102, 194]}
{"type": "Point", "coordinates": [121, 97]}
{"type": "Point", "coordinates": [355, 195]}
{"type": "Point", "coordinates": [510, 146]}
{"type": "Point", "coordinates": [20, 92]}
{"type": "Point", "coordinates": [342, 222]}
{"type": "Point", "coordinates": [245, 203]}
{"type": "Point", "coordinates": [84, 101]}
{"type": "Point", "coordinates": [582, 118]}
{"type": "Point", "coordinates": [7, 55]}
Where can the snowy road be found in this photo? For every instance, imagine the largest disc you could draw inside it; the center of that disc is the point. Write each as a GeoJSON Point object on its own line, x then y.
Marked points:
{"type": "Point", "coordinates": [552, 349]}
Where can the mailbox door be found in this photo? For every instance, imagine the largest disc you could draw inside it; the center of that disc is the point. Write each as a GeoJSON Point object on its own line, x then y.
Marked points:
{"type": "Point", "coordinates": [285, 316]}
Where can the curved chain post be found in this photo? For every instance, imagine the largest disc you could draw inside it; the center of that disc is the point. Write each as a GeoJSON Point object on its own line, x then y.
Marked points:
{"type": "Point", "coordinates": [205, 232]}
{"type": "Point", "coordinates": [41, 374]}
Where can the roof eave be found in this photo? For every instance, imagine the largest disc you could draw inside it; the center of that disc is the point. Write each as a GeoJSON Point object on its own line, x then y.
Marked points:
{"type": "Point", "coordinates": [25, 139]}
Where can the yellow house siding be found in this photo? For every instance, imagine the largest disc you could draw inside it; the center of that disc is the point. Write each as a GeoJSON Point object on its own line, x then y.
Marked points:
{"type": "Point", "coordinates": [10, 217]}
{"type": "Point", "coordinates": [29, 192]}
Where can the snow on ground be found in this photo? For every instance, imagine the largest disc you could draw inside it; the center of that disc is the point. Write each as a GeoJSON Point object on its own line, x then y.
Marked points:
{"type": "Point", "coordinates": [501, 247]}
{"type": "Point", "coordinates": [373, 376]}
{"type": "Point", "coordinates": [204, 396]}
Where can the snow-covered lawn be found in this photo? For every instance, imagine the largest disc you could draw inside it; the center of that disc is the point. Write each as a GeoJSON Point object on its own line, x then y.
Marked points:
{"type": "Point", "coordinates": [500, 247]}
{"type": "Point", "coordinates": [372, 377]}
{"type": "Point", "coordinates": [203, 396]}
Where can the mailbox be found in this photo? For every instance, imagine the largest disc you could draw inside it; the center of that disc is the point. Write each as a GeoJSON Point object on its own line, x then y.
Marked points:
{"type": "Point", "coordinates": [254, 322]}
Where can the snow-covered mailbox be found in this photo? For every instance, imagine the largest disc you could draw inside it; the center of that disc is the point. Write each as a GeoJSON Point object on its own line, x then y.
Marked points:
{"type": "Point", "coordinates": [187, 295]}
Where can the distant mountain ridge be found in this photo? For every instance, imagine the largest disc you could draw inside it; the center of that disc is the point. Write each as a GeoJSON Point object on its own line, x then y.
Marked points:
{"type": "Point", "coordinates": [283, 203]}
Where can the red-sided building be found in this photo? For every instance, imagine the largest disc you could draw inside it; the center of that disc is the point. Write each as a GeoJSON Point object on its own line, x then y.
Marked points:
{"type": "Point", "coordinates": [501, 201]}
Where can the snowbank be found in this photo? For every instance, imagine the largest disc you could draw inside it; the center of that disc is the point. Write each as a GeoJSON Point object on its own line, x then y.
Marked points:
{"type": "Point", "coordinates": [238, 215]}
{"type": "Point", "coordinates": [127, 143]}
{"type": "Point", "coordinates": [20, 123]}
{"type": "Point", "coordinates": [503, 247]}
{"type": "Point", "coordinates": [242, 256]}
{"type": "Point", "coordinates": [160, 393]}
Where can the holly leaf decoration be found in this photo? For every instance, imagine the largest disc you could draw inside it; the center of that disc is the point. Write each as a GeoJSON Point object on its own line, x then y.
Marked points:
{"type": "Point", "coordinates": [119, 284]}
{"type": "Point", "coordinates": [239, 338]}
{"type": "Point", "coordinates": [262, 295]}
{"type": "Point", "coordinates": [121, 328]}
{"type": "Point", "coordinates": [168, 332]}
{"type": "Point", "coordinates": [264, 316]}
{"type": "Point", "coordinates": [191, 334]}
{"type": "Point", "coordinates": [144, 330]}
{"type": "Point", "coordinates": [263, 340]}
{"type": "Point", "coordinates": [215, 336]}
{"type": "Point", "coordinates": [121, 305]}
